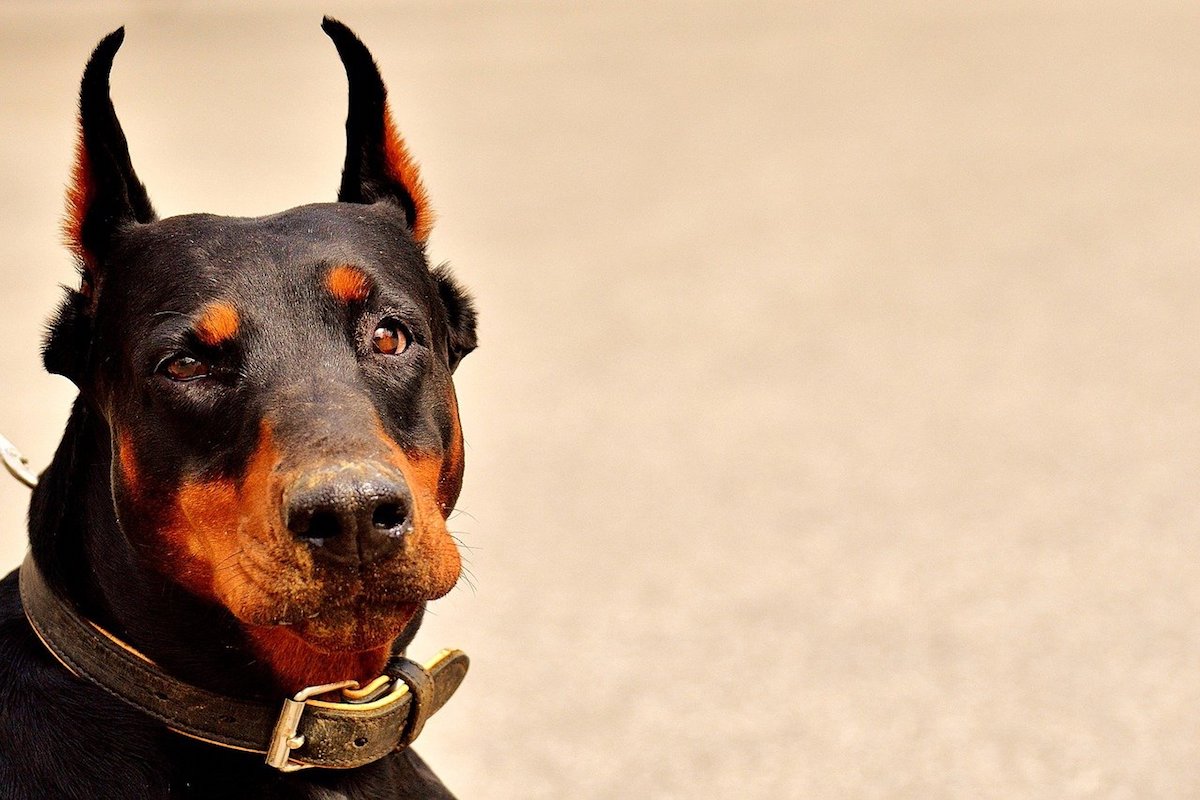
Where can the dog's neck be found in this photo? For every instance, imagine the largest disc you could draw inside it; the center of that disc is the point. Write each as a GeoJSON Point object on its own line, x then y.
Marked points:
{"type": "Point", "coordinates": [79, 545]}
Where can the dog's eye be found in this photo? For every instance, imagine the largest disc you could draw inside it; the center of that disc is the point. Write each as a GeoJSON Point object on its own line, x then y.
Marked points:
{"type": "Point", "coordinates": [184, 368]}
{"type": "Point", "coordinates": [389, 338]}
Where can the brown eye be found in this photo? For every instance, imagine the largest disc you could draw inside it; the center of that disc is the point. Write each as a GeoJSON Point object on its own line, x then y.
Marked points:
{"type": "Point", "coordinates": [389, 338]}
{"type": "Point", "coordinates": [184, 368]}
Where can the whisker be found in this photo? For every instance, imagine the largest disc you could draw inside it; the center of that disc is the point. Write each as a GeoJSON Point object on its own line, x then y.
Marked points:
{"type": "Point", "coordinates": [224, 562]}
{"type": "Point", "coordinates": [469, 578]}
{"type": "Point", "coordinates": [458, 540]}
{"type": "Point", "coordinates": [456, 511]}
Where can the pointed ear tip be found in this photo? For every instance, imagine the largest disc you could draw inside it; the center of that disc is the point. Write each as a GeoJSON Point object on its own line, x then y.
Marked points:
{"type": "Point", "coordinates": [334, 28]}
{"type": "Point", "coordinates": [114, 39]}
{"type": "Point", "coordinates": [105, 51]}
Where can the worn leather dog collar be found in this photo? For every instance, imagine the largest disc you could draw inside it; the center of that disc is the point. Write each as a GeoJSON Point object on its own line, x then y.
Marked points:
{"type": "Point", "coordinates": [369, 723]}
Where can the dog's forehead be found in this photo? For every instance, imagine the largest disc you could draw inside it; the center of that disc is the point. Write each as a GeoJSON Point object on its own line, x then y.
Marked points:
{"type": "Point", "coordinates": [186, 256]}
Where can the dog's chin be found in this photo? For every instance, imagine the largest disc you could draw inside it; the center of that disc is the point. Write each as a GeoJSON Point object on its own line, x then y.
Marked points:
{"type": "Point", "coordinates": [355, 628]}
{"type": "Point", "coordinates": [337, 643]}
{"type": "Point", "coordinates": [336, 612]}
{"type": "Point", "coordinates": [328, 626]}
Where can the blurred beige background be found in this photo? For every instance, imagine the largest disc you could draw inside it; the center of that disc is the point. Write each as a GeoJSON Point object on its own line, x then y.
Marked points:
{"type": "Point", "coordinates": [835, 431]}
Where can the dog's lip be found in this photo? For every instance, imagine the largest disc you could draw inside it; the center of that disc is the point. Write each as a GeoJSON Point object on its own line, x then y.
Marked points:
{"type": "Point", "coordinates": [360, 606]}
{"type": "Point", "coordinates": [283, 608]}
{"type": "Point", "coordinates": [378, 624]}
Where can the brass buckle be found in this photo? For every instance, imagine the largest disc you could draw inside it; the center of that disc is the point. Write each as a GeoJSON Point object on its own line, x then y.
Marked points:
{"type": "Point", "coordinates": [284, 739]}
{"type": "Point", "coordinates": [411, 679]}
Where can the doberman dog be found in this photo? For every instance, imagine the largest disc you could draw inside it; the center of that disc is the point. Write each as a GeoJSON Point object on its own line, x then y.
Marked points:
{"type": "Point", "coordinates": [253, 485]}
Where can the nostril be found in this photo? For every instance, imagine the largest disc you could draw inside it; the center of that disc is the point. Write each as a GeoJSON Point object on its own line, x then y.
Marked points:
{"type": "Point", "coordinates": [349, 514]}
{"type": "Point", "coordinates": [321, 525]}
{"type": "Point", "coordinates": [388, 516]}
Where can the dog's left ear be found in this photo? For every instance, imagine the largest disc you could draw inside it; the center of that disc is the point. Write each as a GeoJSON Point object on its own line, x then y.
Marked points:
{"type": "Point", "coordinates": [378, 165]}
{"type": "Point", "coordinates": [460, 316]}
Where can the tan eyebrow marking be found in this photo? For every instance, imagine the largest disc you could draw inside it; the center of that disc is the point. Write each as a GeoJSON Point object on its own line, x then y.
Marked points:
{"type": "Point", "coordinates": [218, 323]}
{"type": "Point", "coordinates": [348, 284]}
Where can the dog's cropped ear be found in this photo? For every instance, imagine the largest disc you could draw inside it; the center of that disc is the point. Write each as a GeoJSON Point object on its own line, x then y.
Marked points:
{"type": "Point", "coordinates": [460, 316]}
{"type": "Point", "coordinates": [105, 194]}
{"type": "Point", "coordinates": [104, 197]}
{"type": "Point", "coordinates": [378, 164]}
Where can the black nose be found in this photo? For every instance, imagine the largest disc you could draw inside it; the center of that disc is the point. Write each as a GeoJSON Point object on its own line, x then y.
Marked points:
{"type": "Point", "coordinates": [350, 513]}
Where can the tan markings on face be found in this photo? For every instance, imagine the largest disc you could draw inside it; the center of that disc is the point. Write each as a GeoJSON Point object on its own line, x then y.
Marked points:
{"type": "Point", "coordinates": [436, 562]}
{"type": "Point", "coordinates": [217, 323]}
{"type": "Point", "coordinates": [403, 169]}
{"type": "Point", "coordinates": [127, 460]}
{"type": "Point", "coordinates": [450, 477]}
{"type": "Point", "coordinates": [215, 522]}
{"type": "Point", "coordinates": [228, 546]}
{"type": "Point", "coordinates": [224, 540]}
{"type": "Point", "coordinates": [348, 284]}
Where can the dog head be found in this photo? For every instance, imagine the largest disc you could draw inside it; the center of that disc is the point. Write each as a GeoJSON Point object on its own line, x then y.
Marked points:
{"type": "Point", "coordinates": [285, 432]}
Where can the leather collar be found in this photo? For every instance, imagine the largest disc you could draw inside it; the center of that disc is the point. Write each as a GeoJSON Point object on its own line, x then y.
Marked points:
{"type": "Point", "coordinates": [366, 724]}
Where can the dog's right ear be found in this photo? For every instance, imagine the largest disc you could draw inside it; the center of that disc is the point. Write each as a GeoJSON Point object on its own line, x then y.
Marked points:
{"type": "Point", "coordinates": [105, 194]}
{"type": "Point", "coordinates": [104, 197]}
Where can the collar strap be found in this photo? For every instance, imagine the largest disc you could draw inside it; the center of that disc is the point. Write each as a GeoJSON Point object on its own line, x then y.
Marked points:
{"type": "Point", "coordinates": [369, 723]}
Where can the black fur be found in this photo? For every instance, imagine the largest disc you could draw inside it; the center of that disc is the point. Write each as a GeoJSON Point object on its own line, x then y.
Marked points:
{"type": "Point", "coordinates": [298, 360]}
{"type": "Point", "coordinates": [364, 177]}
{"type": "Point", "coordinates": [120, 198]}
{"type": "Point", "coordinates": [68, 338]}
{"type": "Point", "coordinates": [460, 314]}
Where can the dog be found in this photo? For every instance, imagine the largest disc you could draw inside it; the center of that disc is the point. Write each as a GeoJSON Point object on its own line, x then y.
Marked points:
{"type": "Point", "coordinates": [249, 502]}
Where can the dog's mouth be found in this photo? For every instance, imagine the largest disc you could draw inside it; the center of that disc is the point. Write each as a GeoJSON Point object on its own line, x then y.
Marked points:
{"type": "Point", "coordinates": [314, 623]}
{"type": "Point", "coordinates": [271, 581]}
{"type": "Point", "coordinates": [337, 606]}
{"type": "Point", "coordinates": [349, 628]}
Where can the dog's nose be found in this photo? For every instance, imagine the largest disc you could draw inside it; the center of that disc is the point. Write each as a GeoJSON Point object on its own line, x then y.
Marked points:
{"type": "Point", "coordinates": [349, 513]}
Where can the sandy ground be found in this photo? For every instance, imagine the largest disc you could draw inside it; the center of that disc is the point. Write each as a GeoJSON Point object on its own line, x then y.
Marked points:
{"type": "Point", "coordinates": [834, 433]}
